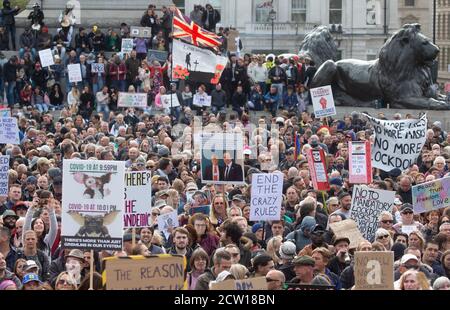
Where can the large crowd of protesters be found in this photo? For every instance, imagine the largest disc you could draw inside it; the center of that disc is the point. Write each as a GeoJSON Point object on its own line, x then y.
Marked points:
{"type": "Point", "coordinates": [86, 123]}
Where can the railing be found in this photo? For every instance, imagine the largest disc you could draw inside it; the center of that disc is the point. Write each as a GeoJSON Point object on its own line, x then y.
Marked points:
{"type": "Point", "coordinates": [279, 28]}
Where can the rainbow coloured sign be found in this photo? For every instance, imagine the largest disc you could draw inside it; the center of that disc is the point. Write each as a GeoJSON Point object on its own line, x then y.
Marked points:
{"type": "Point", "coordinates": [432, 195]}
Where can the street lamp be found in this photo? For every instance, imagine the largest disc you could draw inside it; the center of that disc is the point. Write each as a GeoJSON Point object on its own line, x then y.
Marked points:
{"type": "Point", "coordinates": [272, 17]}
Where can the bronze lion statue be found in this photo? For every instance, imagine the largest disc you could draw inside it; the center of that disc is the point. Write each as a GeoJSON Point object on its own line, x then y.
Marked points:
{"type": "Point", "coordinates": [401, 76]}
{"type": "Point", "coordinates": [319, 45]}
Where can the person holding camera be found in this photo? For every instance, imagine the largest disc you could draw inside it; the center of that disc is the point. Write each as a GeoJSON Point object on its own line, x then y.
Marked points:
{"type": "Point", "coordinates": [342, 259]}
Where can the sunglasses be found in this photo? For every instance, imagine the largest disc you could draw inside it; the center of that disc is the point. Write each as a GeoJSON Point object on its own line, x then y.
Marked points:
{"type": "Point", "coordinates": [383, 237]}
{"type": "Point", "coordinates": [407, 212]}
{"type": "Point", "coordinates": [411, 267]}
{"type": "Point", "coordinates": [271, 280]}
{"type": "Point", "coordinates": [387, 221]}
{"type": "Point", "coordinates": [150, 167]}
{"type": "Point", "coordinates": [64, 282]}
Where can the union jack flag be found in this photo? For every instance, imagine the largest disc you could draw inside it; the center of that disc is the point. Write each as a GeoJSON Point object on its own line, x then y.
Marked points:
{"type": "Point", "coordinates": [187, 30]}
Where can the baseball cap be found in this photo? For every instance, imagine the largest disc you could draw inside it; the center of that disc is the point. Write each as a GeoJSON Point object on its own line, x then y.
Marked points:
{"type": "Point", "coordinates": [191, 187]}
{"type": "Point", "coordinates": [408, 257]}
{"type": "Point", "coordinates": [44, 148]}
{"type": "Point", "coordinates": [9, 213]}
{"type": "Point", "coordinates": [30, 264]}
{"type": "Point", "coordinates": [256, 227]}
{"type": "Point", "coordinates": [406, 207]}
{"type": "Point", "coordinates": [29, 277]}
{"type": "Point", "coordinates": [31, 180]}
{"type": "Point", "coordinates": [337, 240]}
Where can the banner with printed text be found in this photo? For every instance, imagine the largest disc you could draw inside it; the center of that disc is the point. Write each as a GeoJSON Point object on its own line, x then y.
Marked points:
{"type": "Point", "coordinates": [318, 169]}
{"type": "Point", "coordinates": [4, 168]}
{"type": "Point", "coordinates": [360, 162]}
{"type": "Point", "coordinates": [397, 143]}
{"type": "Point", "coordinates": [9, 130]}
{"type": "Point", "coordinates": [323, 101]}
{"type": "Point", "coordinates": [93, 204]}
{"type": "Point", "coordinates": [431, 196]}
{"type": "Point", "coordinates": [132, 100]}
{"type": "Point", "coordinates": [138, 197]}
{"type": "Point", "coordinates": [266, 196]}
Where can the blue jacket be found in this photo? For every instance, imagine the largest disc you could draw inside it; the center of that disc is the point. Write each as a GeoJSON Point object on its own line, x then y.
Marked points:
{"type": "Point", "coordinates": [271, 97]}
{"type": "Point", "coordinates": [290, 101]}
{"type": "Point", "coordinates": [301, 240]}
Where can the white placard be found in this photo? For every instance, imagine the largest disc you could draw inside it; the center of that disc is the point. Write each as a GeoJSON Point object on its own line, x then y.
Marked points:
{"type": "Point", "coordinates": [93, 204]}
{"type": "Point", "coordinates": [97, 68]}
{"type": "Point", "coordinates": [169, 101]}
{"type": "Point", "coordinates": [132, 100]}
{"type": "Point", "coordinates": [74, 73]}
{"type": "Point", "coordinates": [127, 46]}
{"type": "Point", "coordinates": [46, 58]}
{"type": "Point", "coordinates": [4, 168]}
{"type": "Point", "coordinates": [202, 100]}
{"type": "Point", "coordinates": [138, 197]}
{"type": "Point", "coordinates": [165, 221]}
{"type": "Point", "coordinates": [323, 101]}
{"type": "Point", "coordinates": [266, 197]}
{"type": "Point", "coordinates": [9, 131]}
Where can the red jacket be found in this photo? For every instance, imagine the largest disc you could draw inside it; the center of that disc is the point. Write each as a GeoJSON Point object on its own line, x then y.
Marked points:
{"type": "Point", "coordinates": [114, 71]}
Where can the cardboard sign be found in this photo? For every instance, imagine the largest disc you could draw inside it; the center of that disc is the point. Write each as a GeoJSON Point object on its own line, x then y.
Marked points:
{"type": "Point", "coordinates": [318, 169]}
{"type": "Point", "coordinates": [158, 55]}
{"type": "Point", "coordinates": [367, 204]}
{"type": "Point", "coordinates": [374, 270]}
{"type": "Point", "coordinates": [166, 221]}
{"type": "Point", "coordinates": [222, 158]}
{"type": "Point", "coordinates": [323, 101]}
{"type": "Point", "coordinates": [432, 195]}
{"type": "Point", "coordinates": [231, 41]}
{"type": "Point", "coordinates": [251, 284]}
{"type": "Point", "coordinates": [74, 73]}
{"type": "Point", "coordinates": [202, 100]}
{"type": "Point", "coordinates": [397, 143]}
{"type": "Point", "coordinates": [127, 46]}
{"type": "Point", "coordinates": [170, 101]}
{"type": "Point", "coordinates": [163, 272]}
{"type": "Point", "coordinates": [348, 228]}
{"type": "Point", "coordinates": [132, 100]}
{"type": "Point", "coordinates": [138, 197]}
{"type": "Point", "coordinates": [266, 196]}
{"type": "Point", "coordinates": [360, 162]}
{"type": "Point", "coordinates": [141, 32]}
{"type": "Point", "coordinates": [46, 58]}
{"type": "Point", "coordinates": [97, 68]}
{"type": "Point", "coordinates": [4, 168]}
{"type": "Point", "coordinates": [9, 131]}
{"type": "Point", "coordinates": [92, 204]}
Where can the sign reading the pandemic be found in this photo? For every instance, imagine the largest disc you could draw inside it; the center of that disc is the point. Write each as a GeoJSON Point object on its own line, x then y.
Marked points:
{"type": "Point", "coordinates": [432, 195]}
{"type": "Point", "coordinates": [162, 272]}
{"type": "Point", "coordinates": [397, 143]}
{"type": "Point", "coordinates": [46, 58]}
{"type": "Point", "coordinates": [127, 46]}
{"type": "Point", "coordinates": [360, 162]}
{"type": "Point", "coordinates": [97, 68]}
{"type": "Point", "coordinates": [318, 169]}
{"type": "Point", "coordinates": [348, 229]}
{"type": "Point", "coordinates": [132, 100]}
{"type": "Point", "coordinates": [266, 196]}
{"type": "Point", "coordinates": [74, 71]}
{"type": "Point", "coordinates": [367, 204]}
{"type": "Point", "coordinates": [222, 159]}
{"type": "Point", "coordinates": [141, 32]}
{"type": "Point", "coordinates": [251, 284]}
{"type": "Point", "coordinates": [138, 197]}
{"type": "Point", "coordinates": [4, 168]}
{"type": "Point", "coordinates": [92, 204]}
{"type": "Point", "coordinates": [9, 131]}
{"type": "Point", "coordinates": [374, 270]}
{"type": "Point", "coordinates": [323, 101]}
{"type": "Point", "coordinates": [170, 101]}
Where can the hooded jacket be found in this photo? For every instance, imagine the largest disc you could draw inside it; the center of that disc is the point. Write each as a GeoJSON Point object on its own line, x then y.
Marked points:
{"type": "Point", "coordinates": [301, 240]}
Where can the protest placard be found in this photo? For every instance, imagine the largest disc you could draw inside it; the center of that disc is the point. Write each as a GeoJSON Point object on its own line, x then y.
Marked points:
{"type": "Point", "coordinates": [138, 197]}
{"type": "Point", "coordinates": [141, 32]}
{"type": "Point", "coordinates": [323, 101]}
{"type": "Point", "coordinates": [132, 100]}
{"type": "Point", "coordinates": [318, 169]}
{"type": "Point", "coordinates": [367, 204]}
{"type": "Point", "coordinates": [5, 112]}
{"type": "Point", "coordinates": [266, 196]}
{"type": "Point", "coordinates": [374, 270]}
{"type": "Point", "coordinates": [360, 162]}
{"type": "Point", "coordinates": [407, 229]}
{"type": "Point", "coordinates": [92, 204]}
{"type": "Point", "coordinates": [162, 272]}
{"type": "Point", "coordinates": [74, 73]}
{"type": "Point", "coordinates": [127, 46]}
{"type": "Point", "coordinates": [97, 68]}
{"type": "Point", "coordinates": [9, 131]}
{"type": "Point", "coordinates": [170, 101]}
{"type": "Point", "coordinates": [433, 195]}
{"type": "Point", "coordinates": [202, 100]}
{"type": "Point", "coordinates": [4, 168]}
{"type": "Point", "coordinates": [158, 55]}
{"type": "Point", "coordinates": [250, 284]}
{"type": "Point", "coordinates": [167, 221]}
{"type": "Point", "coordinates": [349, 229]}
{"type": "Point", "coordinates": [231, 41]}
{"type": "Point", "coordinates": [397, 143]}
{"type": "Point", "coordinates": [46, 58]}
{"type": "Point", "coordinates": [222, 157]}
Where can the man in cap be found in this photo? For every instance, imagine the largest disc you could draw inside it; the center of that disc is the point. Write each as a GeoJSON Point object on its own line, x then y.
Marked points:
{"type": "Point", "coordinates": [9, 218]}
{"type": "Point", "coordinates": [20, 208]}
{"type": "Point", "coordinates": [44, 151]}
{"type": "Point", "coordinates": [407, 262]}
{"type": "Point", "coordinates": [289, 161]}
{"type": "Point", "coordinates": [30, 188]}
{"type": "Point", "coordinates": [304, 270]}
{"type": "Point", "coordinates": [31, 267]}
{"type": "Point", "coordinates": [128, 242]}
{"type": "Point", "coordinates": [287, 252]}
{"type": "Point", "coordinates": [317, 240]}
{"type": "Point", "coordinates": [31, 282]}
{"type": "Point", "coordinates": [407, 219]}
{"type": "Point", "coordinates": [342, 259]}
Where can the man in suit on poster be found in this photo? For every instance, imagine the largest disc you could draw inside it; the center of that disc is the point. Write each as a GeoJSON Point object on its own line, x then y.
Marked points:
{"type": "Point", "coordinates": [213, 172]}
{"type": "Point", "coordinates": [231, 171]}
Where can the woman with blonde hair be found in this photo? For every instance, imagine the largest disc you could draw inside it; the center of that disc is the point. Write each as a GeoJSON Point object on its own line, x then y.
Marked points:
{"type": "Point", "coordinates": [273, 248]}
{"type": "Point", "coordinates": [416, 239]}
{"type": "Point", "coordinates": [219, 207]}
{"type": "Point", "coordinates": [240, 272]}
{"type": "Point", "coordinates": [65, 282]}
{"type": "Point", "coordinates": [384, 237]}
{"type": "Point", "coordinates": [414, 280]}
